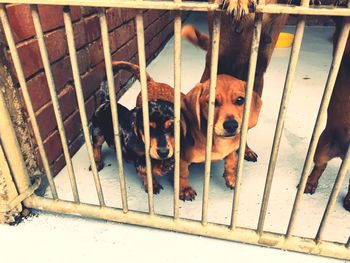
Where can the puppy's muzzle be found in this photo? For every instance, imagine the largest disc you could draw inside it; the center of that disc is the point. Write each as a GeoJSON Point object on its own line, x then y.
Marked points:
{"type": "Point", "coordinates": [230, 126]}
{"type": "Point", "coordinates": [163, 152]}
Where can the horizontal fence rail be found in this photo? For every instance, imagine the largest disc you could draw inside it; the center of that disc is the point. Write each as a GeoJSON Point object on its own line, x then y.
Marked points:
{"type": "Point", "coordinates": [232, 232]}
{"type": "Point", "coordinates": [189, 6]}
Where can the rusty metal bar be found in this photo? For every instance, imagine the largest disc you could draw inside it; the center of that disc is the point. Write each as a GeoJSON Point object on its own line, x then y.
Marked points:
{"type": "Point", "coordinates": [210, 127]}
{"type": "Point", "coordinates": [338, 54]}
{"type": "Point", "coordinates": [113, 101]}
{"type": "Point", "coordinates": [300, 244]}
{"type": "Point", "coordinates": [333, 197]}
{"type": "Point", "coordinates": [247, 105]}
{"type": "Point", "coordinates": [54, 98]}
{"type": "Point", "coordinates": [27, 100]}
{"type": "Point", "coordinates": [80, 98]}
{"type": "Point", "coordinates": [177, 105]}
{"type": "Point", "coordinates": [145, 111]}
{"type": "Point", "coordinates": [190, 6]}
{"type": "Point", "coordinates": [281, 119]}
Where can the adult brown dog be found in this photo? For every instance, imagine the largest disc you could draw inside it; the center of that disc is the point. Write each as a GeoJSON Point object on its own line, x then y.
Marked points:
{"type": "Point", "coordinates": [335, 139]}
{"type": "Point", "coordinates": [235, 44]}
{"type": "Point", "coordinates": [229, 104]}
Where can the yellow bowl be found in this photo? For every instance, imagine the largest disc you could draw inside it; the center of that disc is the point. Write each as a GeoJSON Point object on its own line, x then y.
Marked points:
{"type": "Point", "coordinates": [284, 40]}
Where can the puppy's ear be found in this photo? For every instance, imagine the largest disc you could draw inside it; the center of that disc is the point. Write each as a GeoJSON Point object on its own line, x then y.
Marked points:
{"type": "Point", "coordinates": [191, 104]}
{"type": "Point", "coordinates": [186, 135]}
{"type": "Point", "coordinates": [254, 110]}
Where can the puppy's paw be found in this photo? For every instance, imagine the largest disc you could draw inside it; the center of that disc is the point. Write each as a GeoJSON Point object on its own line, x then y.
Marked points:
{"type": "Point", "coordinates": [250, 155]}
{"type": "Point", "coordinates": [99, 166]}
{"type": "Point", "coordinates": [346, 203]}
{"type": "Point", "coordinates": [187, 194]}
{"type": "Point", "coordinates": [156, 187]}
{"type": "Point", "coordinates": [237, 8]}
{"type": "Point", "coordinates": [230, 181]}
{"type": "Point", "coordinates": [311, 186]}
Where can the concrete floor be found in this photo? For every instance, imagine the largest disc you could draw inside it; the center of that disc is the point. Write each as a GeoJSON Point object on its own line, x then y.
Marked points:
{"type": "Point", "coordinates": [84, 239]}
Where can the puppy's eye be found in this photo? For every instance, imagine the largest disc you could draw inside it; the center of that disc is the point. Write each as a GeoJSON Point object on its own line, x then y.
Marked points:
{"type": "Point", "coordinates": [240, 101]}
{"type": "Point", "coordinates": [217, 103]}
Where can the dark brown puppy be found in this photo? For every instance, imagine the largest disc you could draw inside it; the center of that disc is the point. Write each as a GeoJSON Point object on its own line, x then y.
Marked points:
{"type": "Point", "coordinates": [229, 105]}
{"type": "Point", "coordinates": [235, 44]}
{"type": "Point", "coordinates": [335, 139]}
{"type": "Point", "coordinates": [161, 116]}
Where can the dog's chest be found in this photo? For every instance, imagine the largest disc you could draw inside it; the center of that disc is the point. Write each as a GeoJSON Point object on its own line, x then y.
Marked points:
{"type": "Point", "coordinates": [220, 150]}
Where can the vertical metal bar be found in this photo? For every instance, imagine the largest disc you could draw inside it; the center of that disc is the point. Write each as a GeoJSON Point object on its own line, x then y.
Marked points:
{"type": "Point", "coordinates": [11, 147]}
{"type": "Point", "coordinates": [333, 197]}
{"type": "Point", "coordinates": [54, 98]}
{"type": "Point", "coordinates": [113, 101]}
{"type": "Point", "coordinates": [26, 96]}
{"type": "Point", "coordinates": [338, 54]}
{"type": "Point", "coordinates": [281, 118]}
{"type": "Point", "coordinates": [80, 97]}
{"type": "Point", "coordinates": [249, 94]}
{"type": "Point", "coordinates": [145, 112]}
{"type": "Point", "coordinates": [348, 244]}
{"type": "Point", "coordinates": [177, 104]}
{"type": "Point", "coordinates": [210, 127]}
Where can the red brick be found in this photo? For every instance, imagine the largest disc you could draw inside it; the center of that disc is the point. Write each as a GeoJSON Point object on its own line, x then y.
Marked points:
{"type": "Point", "coordinates": [128, 14]}
{"type": "Point", "coordinates": [60, 162]}
{"type": "Point", "coordinates": [117, 17]}
{"type": "Point", "coordinates": [79, 34]}
{"type": "Point", "coordinates": [51, 16]}
{"type": "Point", "coordinates": [127, 51]}
{"type": "Point", "coordinates": [38, 91]}
{"type": "Point", "coordinates": [151, 15]}
{"type": "Point", "coordinates": [92, 28]}
{"type": "Point", "coordinates": [53, 146]}
{"type": "Point", "coordinates": [56, 44]}
{"type": "Point", "coordinates": [21, 21]}
{"type": "Point", "coordinates": [83, 60]}
{"type": "Point", "coordinates": [86, 10]}
{"type": "Point", "coordinates": [153, 30]}
{"type": "Point", "coordinates": [46, 117]}
{"type": "Point", "coordinates": [29, 52]}
{"type": "Point", "coordinates": [29, 55]}
{"type": "Point", "coordinates": [114, 18]}
{"type": "Point", "coordinates": [121, 35]}
{"type": "Point", "coordinates": [72, 126]}
{"type": "Point", "coordinates": [96, 52]}
{"type": "Point", "coordinates": [62, 72]}
{"type": "Point", "coordinates": [91, 81]}
{"type": "Point", "coordinates": [75, 13]}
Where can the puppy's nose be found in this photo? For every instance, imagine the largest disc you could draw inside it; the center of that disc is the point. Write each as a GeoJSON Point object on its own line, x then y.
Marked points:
{"type": "Point", "coordinates": [230, 125]}
{"type": "Point", "coordinates": [163, 152]}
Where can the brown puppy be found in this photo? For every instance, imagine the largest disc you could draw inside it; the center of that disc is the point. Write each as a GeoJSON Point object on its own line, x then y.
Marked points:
{"type": "Point", "coordinates": [235, 44]}
{"type": "Point", "coordinates": [229, 105]}
{"type": "Point", "coordinates": [335, 139]}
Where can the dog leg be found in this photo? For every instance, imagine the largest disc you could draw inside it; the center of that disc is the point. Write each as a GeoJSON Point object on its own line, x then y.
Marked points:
{"type": "Point", "coordinates": [238, 8]}
{"type": "Point", "coordinates": [156, 186]}
{"type": "Point", "coordinates": [324, 153]}
{"type": "Point", "coordinates": [346, 203]}
{"type": "Point", "coordinates": [141, 170]}
{"type": "Point", "coordinates": [186, 190]}
{"type": "Point", "coordinates": [250, 155]}
{"type": "Point", "coordinates": [97, 145]}
{"type": "Point", "coordinates": [230, 170]}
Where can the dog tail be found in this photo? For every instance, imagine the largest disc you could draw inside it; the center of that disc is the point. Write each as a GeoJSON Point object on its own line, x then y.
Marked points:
{"type": "Point", "coordinates": [134, 69]}
{"type": "Point", "coordinates": [196, 37]}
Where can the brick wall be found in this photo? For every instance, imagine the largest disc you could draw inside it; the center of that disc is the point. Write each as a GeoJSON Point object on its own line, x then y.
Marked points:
{"type": "Point", "coordinates": [121, 25]}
